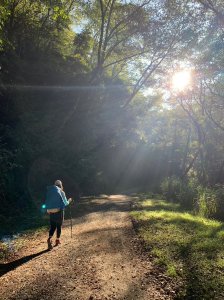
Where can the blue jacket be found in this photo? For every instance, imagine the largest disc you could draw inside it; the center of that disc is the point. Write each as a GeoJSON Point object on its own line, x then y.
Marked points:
{"type": "Point", "coordinates": [55, 198]}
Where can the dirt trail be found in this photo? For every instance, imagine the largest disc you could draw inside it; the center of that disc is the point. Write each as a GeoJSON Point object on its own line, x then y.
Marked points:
{"type": "Point", "coordinates": [99, 262]}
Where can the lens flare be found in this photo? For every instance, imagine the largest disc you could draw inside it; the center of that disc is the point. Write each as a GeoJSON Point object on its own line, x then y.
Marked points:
{"type": "Point", "coordinates": [181, 80]}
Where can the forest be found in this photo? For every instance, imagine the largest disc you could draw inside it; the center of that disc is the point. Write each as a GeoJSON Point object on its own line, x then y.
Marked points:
{"type": "Point", "coordinates": [111, 96]}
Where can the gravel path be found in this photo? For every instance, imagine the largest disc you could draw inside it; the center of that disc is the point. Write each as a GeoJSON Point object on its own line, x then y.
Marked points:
{"type": "Point", "coordinates": [101, 261]}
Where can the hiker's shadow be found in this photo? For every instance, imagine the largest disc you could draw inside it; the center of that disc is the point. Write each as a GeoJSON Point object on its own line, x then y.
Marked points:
{"type": "Point", "coordinates": [5, 268]}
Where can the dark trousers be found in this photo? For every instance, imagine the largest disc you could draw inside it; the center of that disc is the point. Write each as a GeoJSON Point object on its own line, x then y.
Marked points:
{"type": "Point", "coordinates": [56, 220]}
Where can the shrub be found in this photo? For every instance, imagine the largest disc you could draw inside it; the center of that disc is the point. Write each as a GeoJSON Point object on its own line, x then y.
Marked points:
{"type": "Point", "coordinates": [220, 203]}
{"type": "Point", "coordinates": [207, 200]}
{"type": "Point", "coordinates": [210, 202]}
{"type": "Point", "coordinates": [183, 192]}
{"type": "Point", "coordinates": [171, 187]}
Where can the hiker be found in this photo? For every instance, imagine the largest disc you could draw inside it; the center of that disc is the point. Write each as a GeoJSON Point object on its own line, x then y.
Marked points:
{"type": "Point", "coordinates": [56, 202]}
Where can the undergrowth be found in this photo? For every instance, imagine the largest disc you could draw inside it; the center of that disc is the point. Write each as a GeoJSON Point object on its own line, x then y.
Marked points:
{"type": "Point", "coordinates": [10, 245]}
{"type": "Point", "coordinates": [189, 247]}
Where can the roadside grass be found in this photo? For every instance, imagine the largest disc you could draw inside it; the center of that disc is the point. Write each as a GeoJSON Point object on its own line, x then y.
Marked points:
{"type": "Point", "coordinates": [189, 247]}
{"type": "Point", "coordinates": [12, 244]}
{"type": "Point", "coordinates": [17, 231]}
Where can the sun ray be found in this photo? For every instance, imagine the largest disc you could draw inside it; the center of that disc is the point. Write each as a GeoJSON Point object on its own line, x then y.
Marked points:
{"type": "Point", "coordinates": [181, 80]}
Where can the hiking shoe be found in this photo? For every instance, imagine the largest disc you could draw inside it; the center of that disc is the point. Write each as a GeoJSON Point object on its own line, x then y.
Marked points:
{"type": "Point", "coordinates": [49, 244]}
{"type": "Point", "coordinates": [57, 242]}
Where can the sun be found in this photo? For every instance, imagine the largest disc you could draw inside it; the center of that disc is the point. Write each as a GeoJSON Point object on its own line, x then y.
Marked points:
{"type": "Point", "coordinates": [181, 80]}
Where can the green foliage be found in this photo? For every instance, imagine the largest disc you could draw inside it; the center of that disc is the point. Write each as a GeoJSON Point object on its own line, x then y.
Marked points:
{"type": "Point", "coordinates": [67, 108]}
{"type": "Point", "coordinates": [207, 202]}
{"type": "Point", "coordinates": [171, 187]}
{"type": "Point", "coordinates": [210, 202]}
{"type": "Point", "coordinates": [177, 190]}
{"type": "Point", "coordinates": [3, 251]}
{"type": "Point", "coordinates": [188, 247]}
